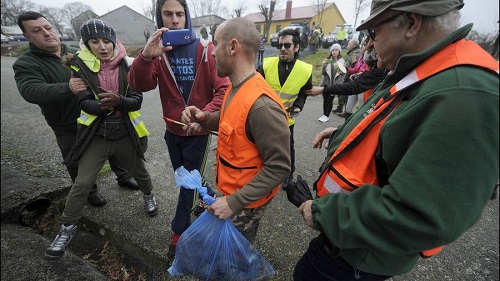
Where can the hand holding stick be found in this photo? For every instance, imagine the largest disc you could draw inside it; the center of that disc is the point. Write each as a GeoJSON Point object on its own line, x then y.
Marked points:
{"type": "Point", "coordinates": [184, 124]}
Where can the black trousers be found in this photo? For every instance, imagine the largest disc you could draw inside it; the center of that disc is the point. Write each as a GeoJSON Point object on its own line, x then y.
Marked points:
{"type": "Point", "coordinates": [321, 262]}
{"type": "Point", "coordinates": [292, 151]}
{"type": "Point", "coordinates": [190, 152]}
{"type": "Point", "coordinates": [327, 104]}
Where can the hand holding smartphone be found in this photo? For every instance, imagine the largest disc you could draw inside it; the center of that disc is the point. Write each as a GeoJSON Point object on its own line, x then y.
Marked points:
{"type": "Point", "coordinates": [176, 37]}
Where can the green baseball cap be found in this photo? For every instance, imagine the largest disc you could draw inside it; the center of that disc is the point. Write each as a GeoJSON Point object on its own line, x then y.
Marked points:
{"type": "Point", "coordinates": [425, 8]}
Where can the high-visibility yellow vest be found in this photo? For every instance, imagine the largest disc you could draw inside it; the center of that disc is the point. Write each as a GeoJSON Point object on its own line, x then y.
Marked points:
{"type": "Point", "coordinates": [86, 118]}
{"type": "Point", "coordinates": [135, 117]}
{"type": "Point", "coordinates": [296, 80]}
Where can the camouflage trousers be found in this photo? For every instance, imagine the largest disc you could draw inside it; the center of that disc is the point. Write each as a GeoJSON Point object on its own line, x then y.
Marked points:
{"type": "Point", "coordinates": [247, 221]}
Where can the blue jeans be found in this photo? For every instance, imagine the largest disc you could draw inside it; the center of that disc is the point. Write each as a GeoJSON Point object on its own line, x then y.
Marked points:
{"type": "Point", "coordinates": [321, 262]}
{"type": "Point", "coordinates": [190, 152]}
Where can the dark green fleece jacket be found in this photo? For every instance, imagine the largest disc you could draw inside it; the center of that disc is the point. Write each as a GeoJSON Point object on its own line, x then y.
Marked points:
{"type": "Point", "coordinates": [437, 164]}
{"type": "Point", "coordinates": [43, 79]}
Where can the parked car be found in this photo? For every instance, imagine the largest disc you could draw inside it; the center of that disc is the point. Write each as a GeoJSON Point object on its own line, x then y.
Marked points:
{"type": "Point", "coordinates": [67, 38]}
{"type": "Point", "coordinates": [273, 39]}
{"type": "Point", "coordinates": [5, 39]}
{"type": "Point", "coordinates": [18, 37]}
{"type": "Point", "coordinates": [331, 38]}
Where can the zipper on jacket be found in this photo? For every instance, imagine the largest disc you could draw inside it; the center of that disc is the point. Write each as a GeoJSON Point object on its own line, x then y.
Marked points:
{"type": "Point", "coordinates": [227, 164]}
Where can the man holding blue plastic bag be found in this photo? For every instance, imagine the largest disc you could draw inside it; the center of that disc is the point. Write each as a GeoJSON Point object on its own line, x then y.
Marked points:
{"type": "Point", "coordinates": [213, 249]}
{"type": "Point", "coordinates": [253, 156]}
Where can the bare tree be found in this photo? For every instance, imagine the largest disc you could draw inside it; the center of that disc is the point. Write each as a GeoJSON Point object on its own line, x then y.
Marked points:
{"type": "Point", "coordinates": [200, 8]}
{"type": "Point", "coordinates": [150, 10]}
{"type": "Point", "coordinates": [359, 7]}
{"type": "Point", "coordinates": [319, 6]}
{"type": "Point", "coordinates": [55, 16]}
{"type": "Point", "coordinates": [267, 8]}
{"type": "Point", "coordinates": [239, 7]}
{"type": "Point", "coordinates": [71, 11]}
{"type": "Point", "coordinates": [12, 8]}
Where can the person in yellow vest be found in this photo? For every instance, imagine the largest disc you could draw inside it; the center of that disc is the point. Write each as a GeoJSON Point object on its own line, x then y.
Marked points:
{"type": "Point", "coordinates": [109, 126]}
{"type": "Point", "coordinates": [290, 78]}
{"type": "Point", "coordinates": [252, 150]}
{"type": "Point", "coordinates": [342, 36]}
{"type": "Point", "coordinates": [415, 166]}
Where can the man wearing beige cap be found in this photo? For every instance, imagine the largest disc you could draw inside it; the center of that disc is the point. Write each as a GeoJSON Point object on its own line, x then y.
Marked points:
{"type": "Point", "coordinates": [414, 167]}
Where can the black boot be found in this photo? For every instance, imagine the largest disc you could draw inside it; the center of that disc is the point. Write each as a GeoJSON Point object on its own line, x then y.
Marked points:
{"type": "Point", "coordinates": [495, 192]}
{"type": "Point", "coordinates": [345, 115]}
{"type": "Point", "coordinates": [95, 198]}
{"type": "Point", "coordinates": [339, 109]}
{"type": "Point", "coordinates": [130, 184]}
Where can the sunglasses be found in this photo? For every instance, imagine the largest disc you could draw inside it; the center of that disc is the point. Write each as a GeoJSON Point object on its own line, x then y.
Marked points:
{"type": "Point", "coordinates": [371, 30]}
{"type": "Point", "coordinates": [287, 45]}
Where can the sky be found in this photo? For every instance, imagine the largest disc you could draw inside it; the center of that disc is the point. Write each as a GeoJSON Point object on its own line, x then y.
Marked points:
{"type": "Point", "coordinates": [483, 13]}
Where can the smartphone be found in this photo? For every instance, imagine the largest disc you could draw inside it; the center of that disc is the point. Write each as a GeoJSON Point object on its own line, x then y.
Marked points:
{"type": "Point", "coordinates": [176, 37]}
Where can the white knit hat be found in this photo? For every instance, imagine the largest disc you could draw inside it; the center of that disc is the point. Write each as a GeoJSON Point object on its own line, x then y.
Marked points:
{"type": "Point", "coordinates": [336, 47]}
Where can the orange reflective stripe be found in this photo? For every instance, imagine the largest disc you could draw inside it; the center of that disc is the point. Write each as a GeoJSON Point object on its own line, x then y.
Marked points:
{"type": "Point", "coordinates": [431, 252]}
{"type": "Point", "coordinates": [367, 94]}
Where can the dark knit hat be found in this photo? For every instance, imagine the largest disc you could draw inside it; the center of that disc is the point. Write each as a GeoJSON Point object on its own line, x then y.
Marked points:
{"type": "Point", "coordinates": [96, 28]}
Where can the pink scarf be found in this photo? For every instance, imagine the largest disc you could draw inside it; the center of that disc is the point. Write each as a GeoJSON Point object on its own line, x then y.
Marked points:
{"type": "Point", "coordinates": [108, 73]}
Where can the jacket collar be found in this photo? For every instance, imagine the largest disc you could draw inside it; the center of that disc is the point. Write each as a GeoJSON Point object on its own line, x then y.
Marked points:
{"type": "Point", "coordinates": [35, 49]}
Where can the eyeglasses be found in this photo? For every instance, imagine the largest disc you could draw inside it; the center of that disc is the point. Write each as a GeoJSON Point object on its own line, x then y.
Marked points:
{"type": "Point", "coordinates": [371, 30]}
{"type": "Point", "coordinates": [287, 45]}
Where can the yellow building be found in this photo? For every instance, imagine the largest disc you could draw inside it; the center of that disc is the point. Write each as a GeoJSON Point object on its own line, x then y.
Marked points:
{"type": "Point", "coordinates": [327, 19]}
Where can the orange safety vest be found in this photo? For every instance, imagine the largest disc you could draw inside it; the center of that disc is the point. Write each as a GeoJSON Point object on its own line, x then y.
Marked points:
{"type": "Point", "coordinates": [238, 160]}
{"type": "Point", "coordinates": [349, 167]}
{"type": "Point", "coordinates": [367, 93]}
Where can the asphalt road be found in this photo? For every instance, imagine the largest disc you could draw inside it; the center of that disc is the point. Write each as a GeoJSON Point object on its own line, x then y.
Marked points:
{"type": "Point", "coordinates": [283, 237]}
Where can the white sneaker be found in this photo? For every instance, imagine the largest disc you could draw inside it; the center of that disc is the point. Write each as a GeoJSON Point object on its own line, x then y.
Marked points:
{"type": "Point", "coordinates": [324, 118]}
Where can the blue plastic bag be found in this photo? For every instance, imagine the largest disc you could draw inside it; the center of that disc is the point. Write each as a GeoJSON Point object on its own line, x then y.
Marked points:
{"type": "Point", "coordinates": [211, 248]}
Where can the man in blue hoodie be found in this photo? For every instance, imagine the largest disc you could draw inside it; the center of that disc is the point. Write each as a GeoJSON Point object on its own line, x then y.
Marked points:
{"type": "Point", "coordinates": [186, 74]}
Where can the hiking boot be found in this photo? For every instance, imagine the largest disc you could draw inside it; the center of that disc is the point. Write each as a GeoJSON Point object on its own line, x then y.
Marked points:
{"type": "Point", "coordinates": [174, 238]}
{"type": "Point", "coordinates": [56, 249]}
{"type": "Point", "coordinates": [339, 109]}
{"type": "Point", "coordinates": [345, 115]}
{"type": "Point", "coordinates": [150, 205]}
{"type": "Point", "coordinates": [96, 199]}
{"type": "Point", "coordinates": [130, 184]}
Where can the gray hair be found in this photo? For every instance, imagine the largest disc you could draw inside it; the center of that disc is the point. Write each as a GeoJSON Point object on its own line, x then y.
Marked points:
{"type": "Point", "coordinates": [354, 41]}
{"type": "Point", "coordinates": [444, 24]}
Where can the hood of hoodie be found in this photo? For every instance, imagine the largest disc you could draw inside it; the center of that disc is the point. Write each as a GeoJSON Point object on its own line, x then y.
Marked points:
{"type": "Point", "coordinates": [159, 20]}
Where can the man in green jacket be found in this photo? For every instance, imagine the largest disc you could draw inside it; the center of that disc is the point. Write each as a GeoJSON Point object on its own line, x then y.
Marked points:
{"type": "Point", "coordinates": [42, 79]}
{"type": "Point", "coordinates": [422, 167]}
